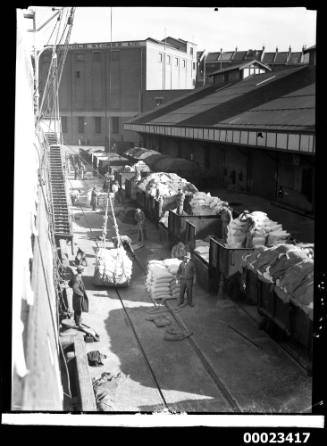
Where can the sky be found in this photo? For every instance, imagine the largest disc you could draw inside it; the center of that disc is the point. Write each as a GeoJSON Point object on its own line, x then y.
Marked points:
{"type": "Point", "coordinates": [227, 28]}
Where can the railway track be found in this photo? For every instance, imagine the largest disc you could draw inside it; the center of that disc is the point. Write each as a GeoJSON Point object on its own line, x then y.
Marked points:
{"type": "Point", "coordinates": [221, 387]}
{"type": "Point", "coordinates": [219, 384]}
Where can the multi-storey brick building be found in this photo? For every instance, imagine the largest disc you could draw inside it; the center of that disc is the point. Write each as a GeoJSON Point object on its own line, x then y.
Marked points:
{"type": "Point", "coordinates": [105, 84]}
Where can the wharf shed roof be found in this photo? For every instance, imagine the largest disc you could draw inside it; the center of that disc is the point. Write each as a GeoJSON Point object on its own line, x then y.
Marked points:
{"type": "Point", "coordinates": [240, 55]}
{"type": "Point", "coordinates": [278, 99]}
{"type": "Point", "coordinates": [295, 58]}
{"type": "Point", "coordinates": [212, 57]}
{"type": "Point", "coordinates": [281, 58]}
{"type": "Point", "coordinates": [226, 55]}
{"type": "Point", "coordinates": [268, 58]}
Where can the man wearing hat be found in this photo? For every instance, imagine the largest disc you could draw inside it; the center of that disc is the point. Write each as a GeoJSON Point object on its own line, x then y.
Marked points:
{"type": "Point", "coordinates": [80, 299]}
{"type": "Point", "coordinates": [185, 276]}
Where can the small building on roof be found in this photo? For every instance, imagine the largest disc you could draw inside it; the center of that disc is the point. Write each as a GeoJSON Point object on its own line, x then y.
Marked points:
{"type": "Point", "coordinates": [238, 72]}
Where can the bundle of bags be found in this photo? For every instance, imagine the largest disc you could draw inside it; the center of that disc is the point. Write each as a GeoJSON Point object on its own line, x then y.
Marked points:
{"type": "Point", "coordinates": [290, 268]}
{"type": "Point", "coordinates": [112, 267]}
{"type": "Point", "coordinates": [254, 229]}
{"type": "Point", "coordinates": [203, 203]}
{"type": "Point", "coordinates": [161, 278]}
{"type": "Point", "coordinates": [167, 183]}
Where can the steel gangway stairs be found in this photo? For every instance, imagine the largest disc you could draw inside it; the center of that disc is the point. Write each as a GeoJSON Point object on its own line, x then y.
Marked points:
{"type": "Point", "coordinates": [61, 216]}
{"type": "Point", "coordinates": [51, 138]}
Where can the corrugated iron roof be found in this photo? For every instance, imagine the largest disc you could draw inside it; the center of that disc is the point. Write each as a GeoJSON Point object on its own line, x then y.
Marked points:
{"type": "Point", "coordinates": [268, 58]}
{"type": "Point", "coordinates": [226, 55]}
{"type": "Point", "coordinates": [239, 55]}
{"type": "Point", "coordinates": [295, 58]}
{"type": "Point", "coordinates": [281, 58]}
{"type": "Point", "coordinates": [271, 99]}
{"type": "Point", "coordinates": [212, 57]}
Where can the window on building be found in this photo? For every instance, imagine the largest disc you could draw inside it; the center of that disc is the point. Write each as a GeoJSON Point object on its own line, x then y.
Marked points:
{"type": "Point", "coordinates": [193, 65]}
{"type": "Point", "coordinates": [176, 61]}
{"type": "Point", "coordinates": [158, 100]}
{"type": "Point", "coordinates": [168, 60]}
{"type": "Point", "coordinates": [77, 74]}
{"type": "Point", "coordinates": [96, 56]}
{"type": "Point", "coordinates": [191, 51]}
{"type": "Point", "coordinates": [115, 124]}
{"type": "Point", "coordinates": [64, 124]}
{"type": "Point", "coordinates": [97, 124]}
{"type": "Point", "coordinates": [183, 63]}
{"type": "Point", "coordinates": [160, 57]}
{"type": "Point", "coordinates": [115, 56]}
{"type": "Point", "coordinates": [80, 124]}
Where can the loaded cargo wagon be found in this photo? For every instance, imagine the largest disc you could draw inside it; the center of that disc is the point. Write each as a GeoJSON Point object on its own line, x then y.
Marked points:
{"type": "Point", "coordinates": [225, 263]}
{"type": "Point", "coordinates": [117, 163]}
{"type": "Point", "coordinates": [282, 277]}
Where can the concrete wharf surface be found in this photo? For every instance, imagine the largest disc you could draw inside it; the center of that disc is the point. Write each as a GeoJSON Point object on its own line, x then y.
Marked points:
{"type": "Point", "coordinates": [239, 368]}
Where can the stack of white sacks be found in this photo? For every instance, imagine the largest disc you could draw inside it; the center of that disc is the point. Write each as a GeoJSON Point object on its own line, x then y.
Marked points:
{"type": "Point", "coordinates": [204, 204]}
{"type": "Point", "coordinates": [167, 183]}
{"type": "Point", "coordinates": [265, 232]}
{"type": "Point", "coordinates": [161, 279]}
{"type": "Point", "coordinates": [113, 267]}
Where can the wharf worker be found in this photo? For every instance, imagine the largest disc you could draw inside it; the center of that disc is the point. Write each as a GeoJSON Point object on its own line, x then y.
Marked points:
{"type": "Point", "coordinates": [94, 199]}
{"type": "Point", "coordinates": [180, 201]}
{"type": "Point", "coordinates": [161, 204]}
{"type": "Point", "coordinates": [75, 196]}
{"type": "Point", "coordinates": [138, 176]}
{"type": "Point", "coordinates": [76, 171]}
{"type": "Point", "coordinates": [80, 299]}
{"type": "Point", "coordinates": [226, 218]}
{"type": "Point", "coordinates": [126, 242]}
{"type": "Point", "coordinates": [80, 259]}
{"type": "Point", "coordinates": [185, 276]}
{"type": "Point", "coordinates": [106, 182]}
{"type": "Point", "coordinates": [82, 170]}
{"type": "Point", "coordinates": [111, 178]}
{"type": "Point", "coordinates": [140, 221]}
{"type": "Point", "coordinates": [115, 192]}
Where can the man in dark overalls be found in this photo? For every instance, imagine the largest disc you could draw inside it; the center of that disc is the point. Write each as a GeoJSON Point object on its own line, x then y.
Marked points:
{"type": "Point", "coordinates": [185, 276]}
{"type": "Point", "coordinates": [80, 299]}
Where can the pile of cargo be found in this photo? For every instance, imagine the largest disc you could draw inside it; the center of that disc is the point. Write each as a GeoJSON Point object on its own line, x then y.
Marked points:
{"type": "Point", "coordinates": [203, 203]}
{"type": "Point", "coordinates": [140, 166]}
{"type": "Point", "coordinates": [113, 267]}
{"type": "Point", "coordinates": [289, 268]}
{"type": "Point", "coordinates": [161, 279]}
{"type": "Point", "coordinates": [168, 184]}
{"type": "Point", "coordinates": [254, 229]}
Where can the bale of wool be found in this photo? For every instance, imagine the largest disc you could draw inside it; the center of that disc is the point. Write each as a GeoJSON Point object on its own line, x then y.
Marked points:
{"type": "Point", "coordinates": [113, 267]}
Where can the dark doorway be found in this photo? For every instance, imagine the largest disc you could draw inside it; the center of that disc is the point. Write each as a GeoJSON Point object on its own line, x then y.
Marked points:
{"type": "Point", "coordinates": [307, 182]}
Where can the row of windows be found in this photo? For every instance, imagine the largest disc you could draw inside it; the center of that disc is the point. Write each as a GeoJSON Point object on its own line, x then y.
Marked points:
{"type": "Point", "coordinates": [82, 123]}
{"type": "Point", "coordinates": [176, 61]}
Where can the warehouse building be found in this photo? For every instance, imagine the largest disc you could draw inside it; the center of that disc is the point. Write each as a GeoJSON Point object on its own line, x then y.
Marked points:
{"type": "Point", "coordinates": [255, 135]}
{"type": "Point", "coordinates": [209, 62]}
{"type": "Point", "coordinates": [105, 84]}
